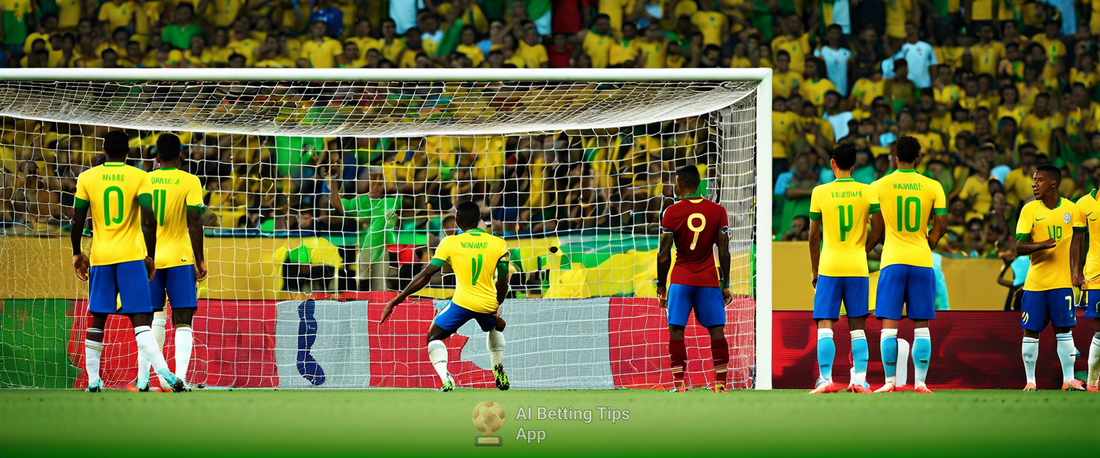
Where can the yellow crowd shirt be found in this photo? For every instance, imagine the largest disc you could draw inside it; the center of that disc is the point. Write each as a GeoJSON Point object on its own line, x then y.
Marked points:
{"type": "Point", "coordinates": [1089, 209]}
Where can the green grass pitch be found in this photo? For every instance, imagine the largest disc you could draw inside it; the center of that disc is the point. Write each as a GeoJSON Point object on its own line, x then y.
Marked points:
{"type": "Point", "coordinates": [423, 423]}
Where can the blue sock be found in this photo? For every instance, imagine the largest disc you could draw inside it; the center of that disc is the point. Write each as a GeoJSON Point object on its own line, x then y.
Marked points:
{"type": "Point", "coordinates": [922, 353]}
{"type": "Point", "coordinates": [859, 356]}
{"type": "Point", "coordinates": [826, 351]}
{"type": "Point", "coordinates": [889, 347]}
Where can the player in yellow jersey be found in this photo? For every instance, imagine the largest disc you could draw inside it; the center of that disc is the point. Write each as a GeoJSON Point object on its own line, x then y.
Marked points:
{"type": "Point", "coordinates": [1043, 233]}
{"type": "Point", "coordinates": [841, 210]}
{"type": "Point", "coordinates": [1088, 207]}
{"type": "Point", "coordinates": [909, 201]}
{"type": "Point", "coordinates": [119, 200]}
{"type": "Point", "coordinates": [476, 257]}
{"type": "Point", "coordinates": [177, 207]}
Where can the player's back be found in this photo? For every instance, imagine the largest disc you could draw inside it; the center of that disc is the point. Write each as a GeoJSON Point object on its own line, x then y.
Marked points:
{"type": "Point", "coordinates": [844, 207]}
{"type": "Point", "coordinates": [174, 192]}
{"type": "Point", "coordinates": [473, 256]}
{"type": "Point", "coordinates": [695, 223]}
{"type": "Point", "coordinates": [1089, 209]}
{"type": "Point", "coordinates": [111, 192]}
{"type": "Point", "coordinates": [908, 200]}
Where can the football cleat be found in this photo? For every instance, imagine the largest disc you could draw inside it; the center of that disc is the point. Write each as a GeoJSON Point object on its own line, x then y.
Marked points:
{"type": "Point", "coordinates": [93, 389]}
{"type": "Point", "coordinates": [719, 387]}
{"type": "Point", "coordinates": [1073, 385]}
{"type": "Point", "coordinates": [1029, 387]}
{"type": "Point", "coordinates": [887, 388]}
{"type": "Point", "coordinates": [858, 389]}
{"type": "Point", "coordinates": [1092, 389]}
{"type": "Point", "coordinates": [922, 389]}
{"type": "Point", "coordinates": [829, 387]}
{"type": "Point", "coordinates": [500, 377]}
{"type": "Point", "coordinates": [449, 385]}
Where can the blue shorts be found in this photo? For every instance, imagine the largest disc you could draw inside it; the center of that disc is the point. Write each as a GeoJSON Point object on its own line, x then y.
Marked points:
{"type": "Point", "coordinates": [126, 281]}
{"type": "Point", "coordinates": [707, 301]}
{"type": "Point", "coordinates": [177, 284]}
{"type": "Point", "coordinates": [454, 316]}
{"type": "Point", "coordinates": [1041, 308]}
{"type": "Point", "coordinates": [832, 290]}
{"type": "Point", "coordinates": [909, 286]}
{"type": "Point", "coordinates": [1092, 304]}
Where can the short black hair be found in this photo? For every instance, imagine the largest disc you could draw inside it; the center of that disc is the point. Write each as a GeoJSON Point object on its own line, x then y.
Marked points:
{"type": "Point", "coordinates": [116, 144]}
{"type": "Point", "coordinates": [908, 149]}
{"type": "Point", "coordinates": [168, 147]}
{"type": "Point", "coordinates": [845, 156]}
{"type": "Point", "coordinates": [688, 177]}
{"type": "Point", "coordinates": [467, 215]}
{"type": "Point", "coordinates": [1053, 173]}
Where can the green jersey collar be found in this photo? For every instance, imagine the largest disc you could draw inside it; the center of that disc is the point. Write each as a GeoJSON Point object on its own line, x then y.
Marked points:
{"type": "Point", "coordinates": [476, 230]}
{"type": "Point", "coordinates": [844, 180]}
{"type": "Point", "coordinates": [114, 164]}
{"type": "Point", "coordinates": [907, 170]}
{"type": "Point", "coordinates": [694, 196]}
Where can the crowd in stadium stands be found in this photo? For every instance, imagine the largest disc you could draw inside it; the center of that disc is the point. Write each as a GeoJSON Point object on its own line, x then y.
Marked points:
{"type": "Point", "coordinates": [991, 89]}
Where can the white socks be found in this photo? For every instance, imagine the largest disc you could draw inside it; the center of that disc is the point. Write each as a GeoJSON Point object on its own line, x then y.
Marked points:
{"type": "Point", "coordinates": [147, 345]}
{"type": "Point", "coordinates": [1067, 354]}
{"type": "Point", "coordinates": [92, 352]}
{"type": "Point", "coordinates": [437, 354]}
{"type": "Point", "coordinates": [184, 341]}
{"type": "Point", "coordinates": [1030, 352]}
{"type": "Point", "coordinates": [1094, 360]}
{"type": "Point", "coordinates": [159, 320]}
{"type": "Point", "coordinates": [495, 342]}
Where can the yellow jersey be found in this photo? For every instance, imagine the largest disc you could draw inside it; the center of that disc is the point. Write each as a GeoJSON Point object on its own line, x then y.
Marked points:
{"type": "Point", "coordinates": [653, 52]}
{"type": "Point", "coordinates": [783, 84]}
{"type": "Point", "coordinates": [598, 48]}
{"type": "Point", "coordinates": [474, 256]}
{"type": "Point", "coordinates": [797, 48]}
{"type": "Point", "coordinates": [1049, 268]}
{"type": "Point", "coordinates": [712, 25]}
{"type": "Point", "coordinates": [174, 193]}
{"type": "Point", "coordinates": [533, 56]}
{"type": "Point", "coordinates": [1089, 209]}
{"type": "Point", "coordinates": [985, 59]}
{"type": "Point", "coordinates": [844, 207]}
{"type": "Point", "coordinates": [1039, 131]}
{"type": "Point", "coordinates": [814, 91]}
{"type": "Point", "coordinates": [323, 54]}
{"type": "Point", "coordinates": [111, 192]}
{"type": "Point", "coordinates": [908, 201]}
{"type": "Point", "coordinates": [117, 15]}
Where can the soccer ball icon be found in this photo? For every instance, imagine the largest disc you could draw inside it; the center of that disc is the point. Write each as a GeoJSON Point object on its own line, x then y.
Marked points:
{"type": "Point", "coordinates": [488, 417]}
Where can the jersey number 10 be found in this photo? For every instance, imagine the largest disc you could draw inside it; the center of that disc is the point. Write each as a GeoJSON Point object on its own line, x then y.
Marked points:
{"type": "Point", "coordinates": [909, 210]}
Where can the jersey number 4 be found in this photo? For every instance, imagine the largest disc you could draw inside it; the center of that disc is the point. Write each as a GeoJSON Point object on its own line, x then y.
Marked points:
{"type": "Point", "coordinates": [847, 221]}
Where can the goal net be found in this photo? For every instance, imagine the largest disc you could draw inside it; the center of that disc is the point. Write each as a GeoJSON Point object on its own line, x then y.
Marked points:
{"type": "Point", "coordinates": [327, 192]}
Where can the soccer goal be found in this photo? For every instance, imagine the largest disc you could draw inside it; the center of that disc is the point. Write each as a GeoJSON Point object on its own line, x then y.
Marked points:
{"type": "Point", "coordinates": [571, 167]}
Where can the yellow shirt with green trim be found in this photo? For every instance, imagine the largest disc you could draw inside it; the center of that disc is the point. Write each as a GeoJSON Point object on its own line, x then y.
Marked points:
{"type": "Point", "coordinates": [1049, 268]}
{"type": "Point", "coordinates": [908, 200]}
{"type": "Point", "coordinates": [844, 207]}
{"type": "Point", "coordinates": [111, 192]}
{"type": "Point", "coordinates": [175, 192]}
{"type": "Point", "coordinates": [474, 256]}
{"type": "Point", "coordinates": [1089, 209]}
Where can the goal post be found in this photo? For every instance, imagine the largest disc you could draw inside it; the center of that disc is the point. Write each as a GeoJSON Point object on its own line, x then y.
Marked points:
{"type": "Point", "coordinates": [571, 166]}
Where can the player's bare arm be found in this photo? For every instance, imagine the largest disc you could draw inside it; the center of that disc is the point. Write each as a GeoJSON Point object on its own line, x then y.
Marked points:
{"type": "Point", "coordinates": [723, 242]}
{"type": "Point", "coordinates": [417, 284]}
{"type": "Point", "coordinates": [80, 259]}
{"type": "Point", "coordinates": [815, 250]}
{"type": "Point", "coordinates": [1076, 257]}
{"type": "Point", "coordinates": [502, 279]}
{"type": "Point", "coordinates": [149, 230]}
{"type": "Point", "coordinates": [194, 232]}
{"type": "Point", "coordinates": [1027, 248]}
{"type": "Point", "coordinates": [878, 230]}
{"type": "Point", "coordinates": [939, 228]}
{"type": "Point", "coordinates": [664, 263]}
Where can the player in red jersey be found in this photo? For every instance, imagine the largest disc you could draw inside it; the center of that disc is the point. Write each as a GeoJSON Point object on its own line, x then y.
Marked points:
{"type": "Point", "coordinates": [695, 225]}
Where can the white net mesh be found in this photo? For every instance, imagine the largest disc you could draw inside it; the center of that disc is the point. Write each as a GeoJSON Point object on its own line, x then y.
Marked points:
{"type": "Point", "coordinates": [572, 174]}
